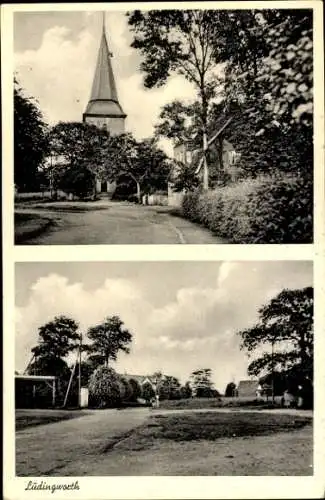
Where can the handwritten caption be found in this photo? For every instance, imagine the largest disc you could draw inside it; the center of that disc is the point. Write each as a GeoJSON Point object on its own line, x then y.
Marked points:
{"type": "Point", "coordinates": [44, 486]}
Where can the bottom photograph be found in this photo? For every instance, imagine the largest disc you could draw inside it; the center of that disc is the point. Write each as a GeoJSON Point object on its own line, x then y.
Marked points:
{"type": "Point", "coordinates": [164, 368]}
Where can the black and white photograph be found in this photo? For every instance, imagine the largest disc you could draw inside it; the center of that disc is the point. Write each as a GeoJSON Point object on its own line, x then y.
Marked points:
{"type": "Point", "coordinates": [164, 368]}
{"type": "Point", "coordinates": [163, 250]}
{"type": "Point", "coordinates": [166, 126]}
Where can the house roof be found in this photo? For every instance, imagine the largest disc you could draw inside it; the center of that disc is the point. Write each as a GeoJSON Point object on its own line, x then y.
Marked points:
{"type": "Point", "coordinates": [141, 379]}
{"type": "Point", "coordinates": [103, 98]}
{"type": "Point", "coordinates": [248, 384]}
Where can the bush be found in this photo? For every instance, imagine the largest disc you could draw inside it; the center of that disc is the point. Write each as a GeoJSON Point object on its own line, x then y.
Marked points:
{"type": "Point", "coordinates": [105, 388]}
{"type": "Point", "coordinates": [267, 209]}
{"type": "Point", "coordinates": [136, 390]}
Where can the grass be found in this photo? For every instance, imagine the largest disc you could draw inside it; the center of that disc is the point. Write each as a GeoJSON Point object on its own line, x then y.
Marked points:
{"type": "Point", "coordinates": [31, 418]}
{"type": "Point", "coordinates": [211, 427]}
{"type": "Point", "coordinates": [202, 403]}
{"type": "Point", "coordinates": [29, 226]}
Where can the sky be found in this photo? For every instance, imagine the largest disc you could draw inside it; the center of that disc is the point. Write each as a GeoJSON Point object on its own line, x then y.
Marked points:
{"type": "Point", "coordinates": [183, 315]}
{"type": "Point", "coordinates": [55, 55]}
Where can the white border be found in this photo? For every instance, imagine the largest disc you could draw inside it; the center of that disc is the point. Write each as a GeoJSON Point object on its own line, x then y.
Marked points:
{"type": "Point", "coordinates": [164, 487]}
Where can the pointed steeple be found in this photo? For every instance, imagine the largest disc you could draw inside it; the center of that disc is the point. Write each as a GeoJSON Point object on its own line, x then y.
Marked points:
{"type": "Point", "coordinates": [103, 98]}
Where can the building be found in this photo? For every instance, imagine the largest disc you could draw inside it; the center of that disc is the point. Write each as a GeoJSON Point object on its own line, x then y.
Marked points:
{"type": "Point", "coordinates": [248, 389]}
{"type": "Point", "coordinates": [104, 109]}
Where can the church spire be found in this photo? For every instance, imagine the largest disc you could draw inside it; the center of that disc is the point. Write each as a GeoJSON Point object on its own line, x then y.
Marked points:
{"type": "Point", "coordinates": [104, 87]}
{"type": "Point", "coordinates": [103, 106]}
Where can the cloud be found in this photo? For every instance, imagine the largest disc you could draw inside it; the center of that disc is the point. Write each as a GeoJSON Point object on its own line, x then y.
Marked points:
{"type": "Point", "coordinates": [59, 75]}
{"type": "Point", "coordinates": [197, 327]}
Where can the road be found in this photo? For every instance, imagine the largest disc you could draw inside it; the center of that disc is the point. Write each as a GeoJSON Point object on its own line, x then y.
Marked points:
{"type": "Point", "coordinates": [67, 447]}
{"type": "Point", "coordinates": [115, 223]}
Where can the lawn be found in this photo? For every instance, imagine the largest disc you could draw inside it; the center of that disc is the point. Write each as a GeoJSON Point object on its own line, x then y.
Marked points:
{"type": "Point", "coordinates": [29, 225]}
{"type": "Point", "coordinates": [214, 443]}
{"type": "Point", "coordinates": [30, 418]}
{"type": "Point", "coordinates": [213, 425]}
{"type": "Point", "coordinates": [222, 402]}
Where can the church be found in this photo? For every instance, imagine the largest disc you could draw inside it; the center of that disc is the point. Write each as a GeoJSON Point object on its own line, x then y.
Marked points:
{"type": "Point", "coordinates": [104, 109]}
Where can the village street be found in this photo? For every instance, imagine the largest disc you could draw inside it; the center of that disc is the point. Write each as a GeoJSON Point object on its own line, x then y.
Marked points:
{"type": "Point", "coordinates": [106, 222]}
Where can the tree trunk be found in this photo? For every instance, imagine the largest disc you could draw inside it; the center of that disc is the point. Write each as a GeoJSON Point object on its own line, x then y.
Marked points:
{"type": "Point", "coordinates": [205, 162]}
{"type": "Point", "coordinates": [138, 192]}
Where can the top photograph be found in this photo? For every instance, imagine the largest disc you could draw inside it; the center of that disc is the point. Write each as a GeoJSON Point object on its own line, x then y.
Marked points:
{"type": "Point", "coordinates": [163, 127]}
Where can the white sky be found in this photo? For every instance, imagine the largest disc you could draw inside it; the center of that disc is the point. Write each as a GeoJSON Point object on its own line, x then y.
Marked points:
{"type": "Point", "coordinates": [183, 315]}
{"type": "Point", "coordinates": [55, 57]}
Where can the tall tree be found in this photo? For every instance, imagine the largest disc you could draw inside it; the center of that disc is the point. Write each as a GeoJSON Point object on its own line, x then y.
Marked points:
{"type": "Point", "coordinates": [107, 339]}
{"type": "Point", "coordinates": [57, 338]}
{"type": "Point", "coordinates": [285, 328]}
{"type": "Point", "coordinates": [179, 42]}
{"type": "Point", "coordinates": [30, 140]}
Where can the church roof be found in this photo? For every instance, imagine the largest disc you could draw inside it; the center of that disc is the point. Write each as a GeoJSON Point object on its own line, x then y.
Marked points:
{"type": "Point", "coordinates": [103, 98]}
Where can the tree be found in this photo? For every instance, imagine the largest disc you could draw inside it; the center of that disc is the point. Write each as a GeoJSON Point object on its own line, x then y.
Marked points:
{"type": "Point", "coordinates": [78, 180]}
{"type": "Point", "coordinates": [184, 177]}
{"type": "Point", "coordinates": [148, 392]}
{"type": "Point", "coordinates": [84, 147]}
{"type": "Point", "coordinates": [186, 391]}
{"type": "Point", "coordinates": [268, 56]}
{"type": "Point", "coordinates": [136, 390]}
{"type": "Point", "coordinates": [127, 389]}
{"type": "Point", "coordinates": [105, 387]}
{"type": "Point", "coordinates": [169, 388]}
{"type": "Point", "coordinates": [142, 161]}
{"type": "Point", "coordinates": [230, 390]}
{"type": "Point", "coordinates": [285, 327]}
{"type": "Point", "coordinates": [179, 42]}
{"type": "Point", "coordinates": [201, 382]}
{"type": "Point", "coordinates": [108, 338]}
{"type": "Point", "coordinates": [30, 140]}
{"type": "Point", "coordinates": [57, 338]}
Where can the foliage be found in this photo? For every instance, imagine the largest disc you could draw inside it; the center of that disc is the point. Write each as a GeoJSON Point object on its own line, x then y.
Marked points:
{"type": "Point", "coordinates": [180, 42]}
{"type": "Point", "coordinates": [169, 388]}
{"type": "Point", "coordinates": [82, 145]}
{"type": "Point", "coordinates": [30, 140]}
{"type": "Point", "coordinates": [127, 391]}
{"type": "Point", "coordinates": [78, 180]}
{"type": "Point", "coordinates": [269, 79]}
{"type": "Point", "coordinates": [285, 329]}
{"type": "Point", "coordinates": [201, 382]}
{"type": "Point", "coordinates": [105, 387]}
{"type": "Point", "coordinates": [184, 177]}
{"type": "Point", "coordinates": [136, 389]}
{"type": "Point", "coordinates": [268, 209]}
{"type": "Point", "coordinates": [186, 391]}
{"type": "Point", "coordinates": [108, 338]}
{"type": "Point", "coordinates": [230, 390]}
{"type": "Point", "coordinates": [57, 338]}
{"type": "Point", "coordinates": [148, 392]}
{"type": "Point", "coordinates": [142, 161]}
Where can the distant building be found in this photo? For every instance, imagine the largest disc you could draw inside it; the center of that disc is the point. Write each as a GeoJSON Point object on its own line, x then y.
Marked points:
{"type": "Point", "coordinates": [141, 379]}
{"type": "Point", "coordinates": [248, 388]}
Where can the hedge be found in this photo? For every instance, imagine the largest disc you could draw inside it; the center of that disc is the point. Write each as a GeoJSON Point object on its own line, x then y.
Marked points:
{"type": "Point", "coordinates": [267, 209]}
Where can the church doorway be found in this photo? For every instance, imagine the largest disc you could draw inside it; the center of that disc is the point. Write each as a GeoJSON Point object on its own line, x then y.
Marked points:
{"type": "Point", "coordinates": [103, 187]}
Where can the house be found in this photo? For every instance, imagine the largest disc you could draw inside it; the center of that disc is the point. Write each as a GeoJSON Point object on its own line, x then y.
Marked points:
{"type": "Point", "coordinates": [248, 389]}
{"type": "Point", "coordinates": [141, 379]}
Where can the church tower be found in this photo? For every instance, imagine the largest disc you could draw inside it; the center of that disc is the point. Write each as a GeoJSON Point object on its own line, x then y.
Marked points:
{"type": "Point", "coordinates": [104, 109]}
